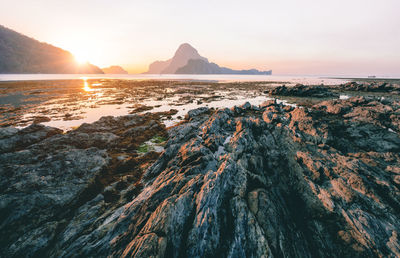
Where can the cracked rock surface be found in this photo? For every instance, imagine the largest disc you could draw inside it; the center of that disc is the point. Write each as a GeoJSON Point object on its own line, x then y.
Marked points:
{"type": "Point", "coordinates": [249, 181]}
{"type": "Point", "coordinates": [300, 90]}
{"type": "Point", "coordinates": [370, 87]}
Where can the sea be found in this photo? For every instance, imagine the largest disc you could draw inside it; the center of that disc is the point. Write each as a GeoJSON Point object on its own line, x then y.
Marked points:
{"type": "Point", "coordinates": [89, 114]}
{"type": "Point", "coordinates": [309, 80]}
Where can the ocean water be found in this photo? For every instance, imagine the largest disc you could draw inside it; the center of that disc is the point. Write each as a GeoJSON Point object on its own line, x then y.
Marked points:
{"type": "Point", "coordinates": [86, 102]}
{"type": "Point", "coordinates": [308, 80]}
{"type": "Point", "coordinates": [90, 115]}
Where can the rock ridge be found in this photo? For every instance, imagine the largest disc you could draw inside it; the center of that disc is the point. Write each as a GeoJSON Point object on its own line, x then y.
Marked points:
{"type": "Point", "coordinates": [251, 181]}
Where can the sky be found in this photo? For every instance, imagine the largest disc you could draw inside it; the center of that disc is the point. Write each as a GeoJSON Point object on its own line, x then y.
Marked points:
{"type": "Point", "coordinates": [308, 37]}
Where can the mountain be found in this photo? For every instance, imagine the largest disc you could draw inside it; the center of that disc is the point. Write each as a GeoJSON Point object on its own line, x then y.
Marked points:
{"type": "Point", "coordinates": [158, 66]}
{"type": "Point", "coordinates": [21, 54]}
{"type": "Point", "coordinates": [197, 66]}
{"type": "Point", "coordinates": [188, 61]}
{"type": "Point", "coordinates": [183, 54]}
{"type": "Point", "coordinates": [114, 69]}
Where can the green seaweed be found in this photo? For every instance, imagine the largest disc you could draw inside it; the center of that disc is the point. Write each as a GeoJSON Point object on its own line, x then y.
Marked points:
{"type": "Point", "coordinates": [144, 148]}
{"type": "Point", "coordinates": [158, 139]}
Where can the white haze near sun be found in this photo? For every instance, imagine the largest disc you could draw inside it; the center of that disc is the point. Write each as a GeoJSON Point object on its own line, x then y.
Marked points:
{"type": "Point", "coordinates": [342, 37]}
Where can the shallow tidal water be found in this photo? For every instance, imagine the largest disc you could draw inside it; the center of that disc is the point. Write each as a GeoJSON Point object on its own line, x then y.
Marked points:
{"type": "Point", "coordinates": [307, 80]}
{"type": "Point", "coordinates": [66, 104]}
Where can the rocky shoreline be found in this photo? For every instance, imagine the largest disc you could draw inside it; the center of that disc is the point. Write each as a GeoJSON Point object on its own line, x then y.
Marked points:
{"type": "Point", "coordinates": [300, 90]}
{"type": "Point", "coordinates": [370, 87]}
{"type": "Point", "coordinates": [268, 180]}
{"type": "Point", "coordinates": [324, 91]}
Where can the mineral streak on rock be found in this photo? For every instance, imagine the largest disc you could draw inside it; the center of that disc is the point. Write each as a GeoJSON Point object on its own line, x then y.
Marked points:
{"type": "Point", "coordinates": [249, 181]}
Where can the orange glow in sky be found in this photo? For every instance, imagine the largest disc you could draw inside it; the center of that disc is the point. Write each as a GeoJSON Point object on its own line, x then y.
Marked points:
{"type": "Point", "coordinates": [311, 37]}
{"type": "Point", "coordinates": [81, 58]}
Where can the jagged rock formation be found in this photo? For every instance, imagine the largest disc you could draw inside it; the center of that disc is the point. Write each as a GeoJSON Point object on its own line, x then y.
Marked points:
{"type": "Point", "coordinates": [188, 61]}
{"type": "Point", "coordinates": [114, 69]}
{"type": "Point", "coordinates": [21, 54]}
{"type": "Point", "coordinates": [52, 182]}
{"type": "Point", "coordinates": [300, 90]}
{"type": "Point", "coordinates": [370, 87]}
{"type": "Point", "coordinates": [249, 181]}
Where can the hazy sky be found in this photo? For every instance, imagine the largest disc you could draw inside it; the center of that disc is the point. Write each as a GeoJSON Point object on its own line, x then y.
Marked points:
{"type": "Point", "coordinates": [341, 37]}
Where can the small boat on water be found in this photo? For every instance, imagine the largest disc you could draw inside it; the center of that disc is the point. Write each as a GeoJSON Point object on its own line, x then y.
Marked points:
{"type": "Point", "coordinates": [371, 77]}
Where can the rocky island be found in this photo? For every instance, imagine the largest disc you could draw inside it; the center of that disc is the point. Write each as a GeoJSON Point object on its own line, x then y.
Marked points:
{"type": "Point", "coordinates": [114, 69]}
{"type": "Point", "coordinates": [188, 61]}
{"type": "Point", "coordinates": [250, 181]}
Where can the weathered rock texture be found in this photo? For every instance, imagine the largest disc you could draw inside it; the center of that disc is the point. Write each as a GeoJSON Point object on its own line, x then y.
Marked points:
{"type": "Point", "coordinates": [247, 182]}
{"type": "Point", "coordinates": [55, 186]}
{"type": "Point", "coordinates": [300, 90]}
{"type": "Point", "coordinates": [370, 87]}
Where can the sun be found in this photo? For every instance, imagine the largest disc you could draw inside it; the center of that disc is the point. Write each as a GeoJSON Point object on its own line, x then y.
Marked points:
{"type": "Point", "coordinates": [81, 57]}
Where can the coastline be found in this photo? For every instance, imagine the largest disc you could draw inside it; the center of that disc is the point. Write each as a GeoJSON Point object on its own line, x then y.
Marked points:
{"type": "Point", "coordinates": [105, 189]}
{"type": "Point", "coordinates": [314, 166]}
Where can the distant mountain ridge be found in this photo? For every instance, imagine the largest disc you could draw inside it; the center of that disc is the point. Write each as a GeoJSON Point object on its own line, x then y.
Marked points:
{"type": "Point", "coordinates": [114, 69]}
{"type": "Point", "coordinates": [197, 66]}
{"type": "Point", "coordinates": [187, 60]}
{"type": "Point", "coordinates": [22, 54]}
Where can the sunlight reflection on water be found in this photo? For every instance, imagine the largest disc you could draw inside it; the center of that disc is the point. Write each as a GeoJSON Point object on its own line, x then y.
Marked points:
{"type": "Point", "coordinates": [95, 101]}
{"type": "Point", "coordinates": [91, 115]}
{"type": "Point", "coordinates": [86, 86]}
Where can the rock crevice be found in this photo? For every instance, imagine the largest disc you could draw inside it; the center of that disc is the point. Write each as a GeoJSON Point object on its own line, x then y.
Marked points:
{"type": "Point", "coordinates": [253, 181]}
